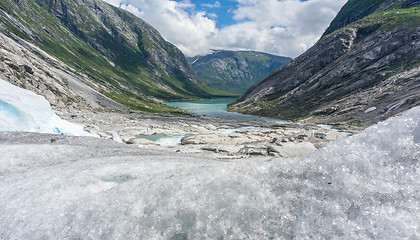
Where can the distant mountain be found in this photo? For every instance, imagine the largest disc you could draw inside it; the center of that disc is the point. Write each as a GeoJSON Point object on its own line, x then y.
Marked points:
{"type": "Point", "coordinates": [95, 46]}
{"type": "Point", "coordinates": [235, 71]}
{"type": "Point", "coordinates": [359, 73]}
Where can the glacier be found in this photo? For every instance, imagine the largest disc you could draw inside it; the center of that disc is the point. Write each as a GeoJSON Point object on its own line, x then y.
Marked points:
{"type": "Point", "coordinates": [23, 110]}
{"type": "Point", "coordinates": [366, 186]}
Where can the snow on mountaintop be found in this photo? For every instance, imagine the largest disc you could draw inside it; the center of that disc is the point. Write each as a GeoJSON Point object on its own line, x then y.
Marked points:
{"type": "Point", "coordinates": [23, 110]}
{"type": "Point", "coordinates": [365, 186]}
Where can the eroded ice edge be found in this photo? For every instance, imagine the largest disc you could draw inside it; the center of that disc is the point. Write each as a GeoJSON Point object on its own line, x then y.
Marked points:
{"type": "Point", "coordinates": [23, 110]}
{"type": "Point", "coordinates": [365, 186]}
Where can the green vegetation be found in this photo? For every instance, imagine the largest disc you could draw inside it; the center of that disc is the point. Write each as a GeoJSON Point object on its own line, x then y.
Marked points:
{"type": "Point", "coordinates": [351, 12]}
{"type": "Point", "coordinates": [385, 18]}
{"type": "Point", "coordinates": [140, 105]}
{"type": "Point", "coordinates": [389, 19]}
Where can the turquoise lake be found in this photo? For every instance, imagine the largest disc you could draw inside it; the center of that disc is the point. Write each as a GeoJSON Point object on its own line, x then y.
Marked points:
{"type": "Point", "coordinates": [215, 107]}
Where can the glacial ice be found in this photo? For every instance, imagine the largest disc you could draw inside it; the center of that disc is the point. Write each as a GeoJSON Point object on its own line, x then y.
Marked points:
{"type": "Point", "coordinates": [23, 110]}
{"type": "Point", "coordinates": [363, 187]}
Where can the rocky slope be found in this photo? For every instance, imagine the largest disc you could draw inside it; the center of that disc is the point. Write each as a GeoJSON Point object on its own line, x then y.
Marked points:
{"type": "Point", "coordinates": [359, 74]}
{"type": "Point", "coordinates": [106, 50]}
{"type": "Point", "coordinates": [235, 71]}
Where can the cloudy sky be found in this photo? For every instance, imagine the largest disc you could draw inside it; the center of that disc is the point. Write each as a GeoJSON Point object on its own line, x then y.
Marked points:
{"type": "Point", "coordinates": [281, 27]}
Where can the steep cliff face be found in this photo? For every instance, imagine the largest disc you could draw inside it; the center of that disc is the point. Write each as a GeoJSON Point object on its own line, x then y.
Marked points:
{"type": "Point", "coordinates": [358, 74]}
{"type": "Point", "coordinates": [112, 51]}
{"type": "Point", "coordinates": [235, 71]}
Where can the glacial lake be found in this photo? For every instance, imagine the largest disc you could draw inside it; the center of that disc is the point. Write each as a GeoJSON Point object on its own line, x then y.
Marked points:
{"type": "Point", "coordinates": [216, 107]}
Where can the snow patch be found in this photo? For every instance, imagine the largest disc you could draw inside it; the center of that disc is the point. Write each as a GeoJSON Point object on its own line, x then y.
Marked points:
{"type": "Point", "coordinates": [371, 109]}
{"type": "Point", "coordinates": [23, 110]}
{"type": "Point", "coordinates": [395, 106]}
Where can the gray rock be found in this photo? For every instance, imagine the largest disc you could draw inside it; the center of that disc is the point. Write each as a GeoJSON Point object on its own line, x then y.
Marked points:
{"type": "Point", "coordinates": [290, 150]}
{"type": "Point", "coordinates": [140, 141]}
{"type": "Point", "coordinates": [254, 151]}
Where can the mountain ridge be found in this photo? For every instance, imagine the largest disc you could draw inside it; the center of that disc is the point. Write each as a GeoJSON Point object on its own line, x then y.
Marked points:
{"type": "Point", "coordinates": [235, 71]}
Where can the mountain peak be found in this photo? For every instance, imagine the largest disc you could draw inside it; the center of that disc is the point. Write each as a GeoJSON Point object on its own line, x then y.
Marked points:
{"type": "Point", "coordinates": [235, 71]}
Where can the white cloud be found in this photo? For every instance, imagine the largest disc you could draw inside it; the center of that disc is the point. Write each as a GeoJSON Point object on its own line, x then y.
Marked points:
{"type": "Point", "coordinates": [282, 27]}
{"type": "Point", "coordinates": [214, 5]}
{"type": "Point", "coordinates": [211, 15]}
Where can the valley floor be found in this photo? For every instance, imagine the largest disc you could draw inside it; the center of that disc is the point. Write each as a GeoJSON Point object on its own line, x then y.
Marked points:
{"type": "Point", "coordinates": [216, 137]}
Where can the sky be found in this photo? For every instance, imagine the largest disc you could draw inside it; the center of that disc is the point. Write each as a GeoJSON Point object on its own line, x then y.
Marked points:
{"type": "Point", "coordinates": [280, 27]}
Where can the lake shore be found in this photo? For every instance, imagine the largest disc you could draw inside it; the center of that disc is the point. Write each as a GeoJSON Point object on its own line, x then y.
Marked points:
{"type": "Point", "coordinates": [209, 136]}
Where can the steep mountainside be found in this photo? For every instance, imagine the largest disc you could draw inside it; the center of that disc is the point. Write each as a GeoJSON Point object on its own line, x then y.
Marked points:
{"type": "Point", "coordinates": [359, 74]}
{"type": "Point", "coordinates": [235, 71]}
{"type": "Point", "coordinates": [354, 10]}
{"type": "Point", "coordinates": [110, 50]}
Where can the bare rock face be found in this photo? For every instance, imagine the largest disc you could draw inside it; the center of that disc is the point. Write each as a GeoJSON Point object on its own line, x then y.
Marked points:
{"type": "Point", "coordinates": [44, 75]}
{"type": "Point", "coordinates": [360, 74]}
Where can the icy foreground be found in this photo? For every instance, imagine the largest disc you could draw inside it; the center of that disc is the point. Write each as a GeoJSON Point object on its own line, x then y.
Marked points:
{"type": "Point", "coordinates": [58, 187]}
{"type": "Point", "coordinates": [23, 110]}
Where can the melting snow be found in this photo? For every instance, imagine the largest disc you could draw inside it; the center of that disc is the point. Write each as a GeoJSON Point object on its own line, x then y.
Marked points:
{"type": "Point", "coordinates": [23, 110]}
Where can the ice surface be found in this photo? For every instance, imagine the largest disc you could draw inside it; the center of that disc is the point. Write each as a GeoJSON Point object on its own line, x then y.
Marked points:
{"type": "Point", "coordinates": [416, 134]}
{"type": "Point", "coordinates": [23, 110]}
{"type": "Point", "coordinates": [363, 187]}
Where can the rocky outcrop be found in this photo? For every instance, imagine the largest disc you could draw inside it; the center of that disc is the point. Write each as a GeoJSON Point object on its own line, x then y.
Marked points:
{"type": "Point", "coordinates": [363, 73]}
{"type": "Point", "coordinates": [110, 50]}
{"type": "Point", "coordinates": [234, 72]}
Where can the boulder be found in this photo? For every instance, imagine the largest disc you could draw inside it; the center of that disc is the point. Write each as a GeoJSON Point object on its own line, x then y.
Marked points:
{"type": "Point", "coordinates": [202, 139]}
{"type": "Point", "coordinates": [334, 135]}
{"type": "Point", "coordinates": [141, 141]}
{"type": "Point", "coordinates": [255, 150]}
{"type": "Point", "coordinates": [290, 150]}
